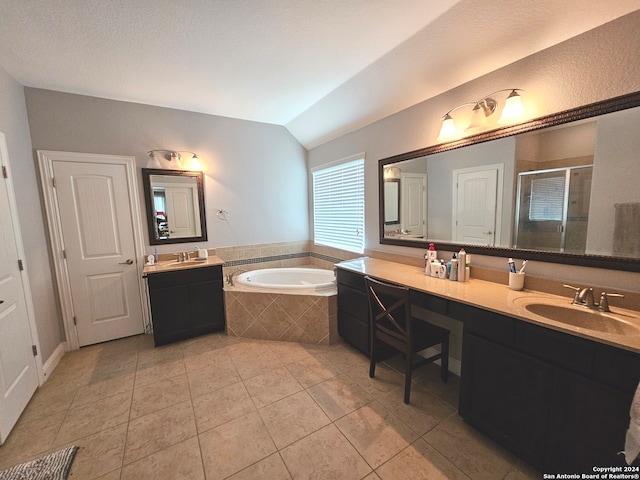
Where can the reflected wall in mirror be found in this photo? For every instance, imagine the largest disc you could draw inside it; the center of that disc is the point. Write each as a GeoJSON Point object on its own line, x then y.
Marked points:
{"type": "Point", "coordinates": [562, 188]}
{"type": "Point", "coordinates": [175, 206]}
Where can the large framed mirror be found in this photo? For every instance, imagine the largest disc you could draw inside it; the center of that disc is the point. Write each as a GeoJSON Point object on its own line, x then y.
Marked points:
{"type": "Point", "coordinates": [175, 206]}
{"type": "Point", "coordinates": [561, 188]}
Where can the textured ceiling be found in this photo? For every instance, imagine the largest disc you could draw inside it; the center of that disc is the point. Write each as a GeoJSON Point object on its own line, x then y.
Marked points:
{"type": "Point", "coordinates": [319, 67]}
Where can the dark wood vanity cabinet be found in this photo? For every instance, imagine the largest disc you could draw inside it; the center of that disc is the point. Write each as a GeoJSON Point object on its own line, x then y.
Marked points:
{"type": "Point", "coordinates": [558, 401]}
{"type": "Point", "coordinates": [186, 303]}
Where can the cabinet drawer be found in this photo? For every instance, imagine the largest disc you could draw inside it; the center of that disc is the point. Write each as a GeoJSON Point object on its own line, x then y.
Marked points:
{"type": "Point", "coordinates": [566, 351]}
{"type": "Point", "coordinates": [617, 367]}
{"type": "Point", "coordinates": [430, 302]}
{"type": "Point", "coordinates": [354, 331]}
{"type": "Point", "coordinates": [351, 279]}
{"type": "Point", "coordinates": [183, 277]}
{"type": "Point", "coordinates": [489, 325]}
{"type": "Point", "coordinates": [353, 302]}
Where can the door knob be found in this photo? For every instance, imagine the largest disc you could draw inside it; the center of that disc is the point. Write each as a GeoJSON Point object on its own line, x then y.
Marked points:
{"type": "Point", "coordinates": [487, 233]}
{"type": "Point", "coordinates": [1, 302]}
{"type": "Point", "coordinates": [128, 262]}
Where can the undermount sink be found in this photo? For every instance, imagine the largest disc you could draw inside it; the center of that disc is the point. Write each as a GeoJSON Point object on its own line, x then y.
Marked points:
{"type": "Point", "coordinates": [581, 317]}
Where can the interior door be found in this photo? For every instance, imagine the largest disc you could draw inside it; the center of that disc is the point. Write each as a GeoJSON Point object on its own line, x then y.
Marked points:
{"type": "Point", "coordinates": [93, 202]}
{"type": "Point", "coordinates": [475, 200]}
{"type": "Point", "coordinates": [413, 204]}
{"type": "Point", "coordinates": [180, 212]}
{"type": "Point", "coordinates": [18, 371]}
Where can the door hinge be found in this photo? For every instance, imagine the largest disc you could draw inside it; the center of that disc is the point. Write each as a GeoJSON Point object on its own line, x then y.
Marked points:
{"type": "Point", "coordinates": [20, 265]}
{"type": "Point", "coordinates": [53, 182]}
{"type": "Point", "coordinates": [5, 174]}
{"type": "Point", "coordinates": [34, 349]}
{"type": "Point", "coordinates": [64, 254]}
{"type": "Point", "coordinates": [74, 321]}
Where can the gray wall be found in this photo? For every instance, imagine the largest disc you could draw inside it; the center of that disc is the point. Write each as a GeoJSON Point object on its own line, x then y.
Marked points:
{"type": "Point", "coordinates": [13, 122]}
{"type": "Point", "coordinates": [254, 171]}
{"type": "Point", "coordinates": [596, 65]}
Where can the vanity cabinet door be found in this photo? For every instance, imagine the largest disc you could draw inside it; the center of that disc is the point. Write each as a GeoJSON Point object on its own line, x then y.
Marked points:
{"type": "Point", "coordinates": [353, 317]}
{"type": "Point", "coordinates": [588, 421]}
{"type": "Point", "coordinates": [186, 303]}
{"type": "Point", "coordinates": [505, 394]}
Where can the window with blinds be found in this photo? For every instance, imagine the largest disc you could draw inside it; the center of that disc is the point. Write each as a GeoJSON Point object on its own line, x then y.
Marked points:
{"type": "Point", "coordinates": [338, 206]}
{"type": "Point", "coordinates": [547, 199]}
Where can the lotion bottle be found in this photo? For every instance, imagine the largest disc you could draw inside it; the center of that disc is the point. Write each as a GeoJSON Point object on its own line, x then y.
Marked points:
{"type": "Point", "coordinates": [462, 265]}
{"type": "Point", "coordinates": [453, 274]}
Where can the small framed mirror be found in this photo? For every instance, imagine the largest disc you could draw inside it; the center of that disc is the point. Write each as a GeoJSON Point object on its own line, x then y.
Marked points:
{"type": "Point", "coordinates": [175, 206]}
{"type": "Point", "coordinates": [392, 201]}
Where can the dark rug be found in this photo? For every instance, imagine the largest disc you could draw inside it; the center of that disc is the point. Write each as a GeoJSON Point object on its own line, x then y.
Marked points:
{"type": "Point", "coordinates": [55, 466]}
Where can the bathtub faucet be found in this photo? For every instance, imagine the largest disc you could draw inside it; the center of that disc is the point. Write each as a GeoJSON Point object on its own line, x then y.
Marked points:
{"type": "Point", "coordinates": [231, 275]}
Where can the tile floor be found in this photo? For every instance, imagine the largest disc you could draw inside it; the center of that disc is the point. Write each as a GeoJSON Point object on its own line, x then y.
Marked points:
{"type": "Point", "coordinates": [219, 407]}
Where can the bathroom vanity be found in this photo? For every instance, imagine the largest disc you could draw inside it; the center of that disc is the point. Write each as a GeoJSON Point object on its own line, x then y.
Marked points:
{"type": "Point", "coordinates": [556, 394]}
{"type": "Point", "coordinates": [186, 299]}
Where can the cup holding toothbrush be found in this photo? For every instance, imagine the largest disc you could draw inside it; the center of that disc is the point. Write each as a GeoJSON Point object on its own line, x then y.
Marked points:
{"type": "Point", "coordinates": [516, 280]}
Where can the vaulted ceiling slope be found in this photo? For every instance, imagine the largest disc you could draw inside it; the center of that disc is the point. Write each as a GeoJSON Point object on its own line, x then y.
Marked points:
{"type": "Point", "coordinates": [320, 68]}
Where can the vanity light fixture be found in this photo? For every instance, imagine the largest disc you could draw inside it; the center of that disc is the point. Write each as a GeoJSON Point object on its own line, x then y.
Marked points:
{"type": "Point", "coordinates": [482, 109]}
{"type": "Point", "coordinates": [392, 172]}
{"type": "Point", "coordinates": [173, 155]}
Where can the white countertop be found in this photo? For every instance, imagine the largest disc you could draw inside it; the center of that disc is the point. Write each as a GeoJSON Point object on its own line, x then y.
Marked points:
{"type": "Point", "coordinates": [495, 297]}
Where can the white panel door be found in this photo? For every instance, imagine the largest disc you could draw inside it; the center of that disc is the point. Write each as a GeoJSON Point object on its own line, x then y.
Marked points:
{"type": "Point", "coordinates": [18, 371]}
{"type": "Point", "coordinates": [97, 229]}
{"type": "Point", "coordinates": [180, 212]}
{"type": "Point", "coordinates": [475, 203]}
{"type": "Point", "coordinates": [413, 208]}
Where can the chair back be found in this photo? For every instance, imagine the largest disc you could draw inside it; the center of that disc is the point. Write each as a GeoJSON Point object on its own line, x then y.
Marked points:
{"type": "Point", "coordinates": [390, 312]}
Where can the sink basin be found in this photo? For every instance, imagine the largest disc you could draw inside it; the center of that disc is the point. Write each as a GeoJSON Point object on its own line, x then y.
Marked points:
{"type": "Point", "coordinates": [583, 318]}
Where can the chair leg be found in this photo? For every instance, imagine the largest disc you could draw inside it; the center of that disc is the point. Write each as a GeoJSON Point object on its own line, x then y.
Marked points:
{"type": "Point", "coordinates": [407, 377]}
{"type": "Point", "coordinates": [372, 362]}
{"type": "Point", "coordinates": [444, 361]}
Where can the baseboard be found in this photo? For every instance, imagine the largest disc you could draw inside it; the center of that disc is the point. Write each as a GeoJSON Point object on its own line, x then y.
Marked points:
{"type": "Point", "coordinates": [52, 362]}
{"type": "Point", "coordinates": [454, 364]}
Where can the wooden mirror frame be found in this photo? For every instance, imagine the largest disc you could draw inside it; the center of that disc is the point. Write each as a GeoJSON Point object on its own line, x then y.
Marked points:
{"type": "Point", "coordinates": [148, 200]}
{"type": "Point", "coordinates": [587, 111]}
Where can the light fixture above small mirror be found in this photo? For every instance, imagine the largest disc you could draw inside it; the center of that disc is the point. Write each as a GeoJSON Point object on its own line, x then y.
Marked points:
{"type": "Point", "coordinates": [173, 156]}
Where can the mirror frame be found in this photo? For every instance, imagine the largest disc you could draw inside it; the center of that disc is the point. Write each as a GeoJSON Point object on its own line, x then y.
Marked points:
{"type": "Point", "coordinates": [148, 197]}
{"type": "Point", "coordinates": [615, 104]}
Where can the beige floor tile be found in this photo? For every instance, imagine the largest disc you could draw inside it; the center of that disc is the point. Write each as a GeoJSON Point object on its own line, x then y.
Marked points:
{"type": "Point", "coordinates": [372, 476]}
{"type": "Point", "coordinates": [339, 396]}
{"type": "Point", "coordinates": [154, 372]}
{"type": "Point", "coordinates": [289, 352]}
{"type": "Point", "coordinates": [160, 355]}
{"type": "Point", "coordinates": [249, 366]}
{"type": "Point", "coordinates": [293, 418]}
{"type": "Point", "coordinates": [234, 446]}
{"type": "Point", "coordinates": [324, 454]}
{"type": "Point", "coordinates": [222, 406]}
{"type": "Point", "coordinates": [115, 475]}
{"type": "Point", "coordinates": [313, 370]}
{"type": "Point", "coordinates": [181, 461]}
{"type": "Point", "coordinates": [271, 468]}
{"type": "Point", "coordinates": [159, 430]}
{"type": "Point", "coordinates": [420, 460]}
{"type": "Point", "coordinates": [113, 366]}
{"type": "Point", "coordinates": [385, 380]}
{"type": "Point", "coordinates": [97, 391]}
{"type": "Point", "coordinates": [156, 396]}
{"type": "Point", "coordinates": [348, 358]}
{"type": "Point", "coordinates": [211, 378]}
{"type": "Point", "coordinates": [29, 438]}
{"type": "Point", "coordinates": [429, 378]}
{"type": "Point", "coordinates": [423, 412]}
{"type": "Point", "coordinates": [94, 417]}
{"type": "Point", "coordinates": [99, 454]}
{"type": "Point", "coordinates": [376, 433]}
{"type": "Point", "coordinates": [470, 451]}
{"type": "Point", "coordinates": [209, 358]}
{"type": "Point", "coordinates": [271, 386]}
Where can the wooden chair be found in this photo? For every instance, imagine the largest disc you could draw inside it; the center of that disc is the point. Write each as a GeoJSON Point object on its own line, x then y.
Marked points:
{"type": "Point", "coordinates": [391, 323]}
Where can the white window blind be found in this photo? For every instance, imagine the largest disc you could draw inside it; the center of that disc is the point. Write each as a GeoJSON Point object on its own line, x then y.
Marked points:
{"type": "Point", "coordinates": [338, 206]}
{"type": "Point", "coordinates": [547, 199]}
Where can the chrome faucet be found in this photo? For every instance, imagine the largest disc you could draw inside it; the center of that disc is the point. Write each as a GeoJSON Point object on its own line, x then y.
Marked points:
{"type": "Point", "coordinates": [584, 298]}
{"type": "Point", "coordinates": [231, 275]}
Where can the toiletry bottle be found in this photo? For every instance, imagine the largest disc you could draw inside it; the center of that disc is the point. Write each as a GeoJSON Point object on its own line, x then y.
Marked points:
{"type": "Point", "coordinates": [512, 265]}
{"type": "Point", "coordinates": [462, 265]}
{"type": "Point", "coordinates": [433, 255]}
{"type": "Point", "coordinates": [155, 255]}
{"type": "Point", "coordinates": [453, 275]}
{"type": "Point", "coordinates": [427, 264]}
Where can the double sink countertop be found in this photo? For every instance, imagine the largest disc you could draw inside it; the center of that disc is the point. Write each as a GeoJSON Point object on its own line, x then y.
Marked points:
{"type": "Point", "coordinates": [174, 265]}
{"type": "Point", "coordinates": [619, 328]}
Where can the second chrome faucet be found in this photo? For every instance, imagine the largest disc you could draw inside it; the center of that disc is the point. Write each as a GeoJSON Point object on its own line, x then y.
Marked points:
{"type": "Point", "coordinates": [584, 298]}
